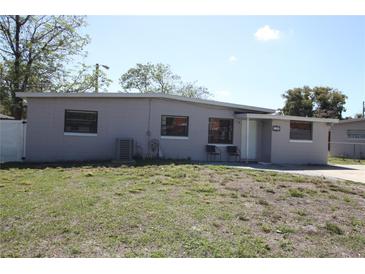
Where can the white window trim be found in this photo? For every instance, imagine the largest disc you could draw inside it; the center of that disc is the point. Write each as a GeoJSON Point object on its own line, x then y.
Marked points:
{"type": "Point", "coordinates": [174, 137]}
{"type": "Point", "coordinates": [300, 141]}
{"type": "Point", "coordinates": [79, 134]}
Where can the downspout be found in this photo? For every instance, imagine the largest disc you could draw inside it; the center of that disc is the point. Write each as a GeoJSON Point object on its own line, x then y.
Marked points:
{"type": "Point", "coordinates": [247, 134]}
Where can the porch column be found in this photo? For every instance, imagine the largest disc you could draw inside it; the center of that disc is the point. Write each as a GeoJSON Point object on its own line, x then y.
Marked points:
{"type": "Point", "coordinates": [247, 134]}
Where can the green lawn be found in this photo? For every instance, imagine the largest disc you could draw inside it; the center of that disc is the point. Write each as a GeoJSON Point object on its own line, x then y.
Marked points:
{"type": "Point", "coordinates": [345, 161]}
{"type": "Point", "coordinates": [180, 210]}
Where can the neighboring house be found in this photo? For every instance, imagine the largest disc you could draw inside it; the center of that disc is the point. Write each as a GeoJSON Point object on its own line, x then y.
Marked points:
{"type": "Point", "coordinates": [347, 138]}
{"type": "Point", "coordinates": [85, 126]}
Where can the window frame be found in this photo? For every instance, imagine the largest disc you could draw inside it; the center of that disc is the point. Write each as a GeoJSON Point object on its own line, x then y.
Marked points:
{"type": "Point", "coordinates": [79, 133]}
{"type": "Point", "coordinates": [291, 139]}
{"type": "Point", "coordinates": [166, 136]}
{"type": "Point", "coordinates": [351, 135]}
{"type": "Point", "coordinates": [229, 142]}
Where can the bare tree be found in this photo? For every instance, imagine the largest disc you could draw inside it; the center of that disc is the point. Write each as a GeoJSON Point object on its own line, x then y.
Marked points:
{"type": "Point", "coordinates": [36, 53]}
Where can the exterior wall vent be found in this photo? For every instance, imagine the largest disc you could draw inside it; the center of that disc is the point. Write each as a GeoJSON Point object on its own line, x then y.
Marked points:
{"type": "Point", "coordinates": [125, 148]}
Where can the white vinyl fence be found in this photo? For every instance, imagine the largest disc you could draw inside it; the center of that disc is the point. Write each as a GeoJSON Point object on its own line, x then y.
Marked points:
{"type": "Point", "coordinates": [351, 150]}
{"type": "Point", "coordinates": [12, 140]}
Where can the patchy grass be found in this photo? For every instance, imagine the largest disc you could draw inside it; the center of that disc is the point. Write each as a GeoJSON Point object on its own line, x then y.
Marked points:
{"type": "Point", "coordinates": [286, 245]}
{"type": "Point", "coordinates": [334, 228]}
{"type": "Point", "coordinates": [345, 161]}
{"type": "Point", "coordinates": [203, 187]}
{"type": "Point", "coordinates": [296, 193]}
{"type": "Point", "coordinates": [284, 229]}
{"type": "Point", "coordinates": [176, 210]}
{"type": "Point", "coordinates": [266, 228]}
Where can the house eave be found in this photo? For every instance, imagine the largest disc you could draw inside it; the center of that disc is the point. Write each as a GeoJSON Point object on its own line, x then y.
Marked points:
{"type": "Point", "coordinates": [143, 95]}
{"type": "Point", "coordinates": [285, 117]}
{"type": "Point", "coordinates": [355, 120]}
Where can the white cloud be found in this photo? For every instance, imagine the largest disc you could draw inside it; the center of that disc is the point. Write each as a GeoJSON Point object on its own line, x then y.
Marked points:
{"type": "Point", "coordinates": [222, 95]}
{"type": "Point", "coordinates": [266, 33]}
{"type": "Point", "coordinates": [232, 59]}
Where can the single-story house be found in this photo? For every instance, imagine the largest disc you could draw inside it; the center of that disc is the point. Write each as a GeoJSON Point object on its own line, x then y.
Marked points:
{"type": "Point", "coordinates": [347, 138]}
{"type": "Point", "coordinates": [87, 126]}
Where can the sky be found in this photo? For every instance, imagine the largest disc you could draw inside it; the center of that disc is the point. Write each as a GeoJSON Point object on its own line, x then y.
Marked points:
{"type": "Point", "coordinates": [249, 60]}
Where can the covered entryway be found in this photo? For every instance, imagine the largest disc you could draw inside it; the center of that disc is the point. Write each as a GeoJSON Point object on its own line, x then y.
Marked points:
{"type": "Point", "coordinates": [256, 140]}
{"type": "Point", "coordinates": [249, 140]}
{"type": "Point", "coordinates": [284, 139]}
{"type": "Point", "coordinates": [12, 140]}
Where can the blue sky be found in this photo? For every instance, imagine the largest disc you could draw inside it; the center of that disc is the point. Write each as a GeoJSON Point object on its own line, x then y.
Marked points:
{"type": "Point", "coordinates": [249, 60]}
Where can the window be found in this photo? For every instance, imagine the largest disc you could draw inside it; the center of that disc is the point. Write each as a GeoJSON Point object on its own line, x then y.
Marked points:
{"type": "Point", "coordinates": [356, 133]}
{"type": "Point", "coordinates": [81, 121]}
{"type": "Point", "coordinates": [220, 131]}
{"type": "Point", "coordinates": [174, 126]}
{"type": "Point", "coordinates": [300, 130]}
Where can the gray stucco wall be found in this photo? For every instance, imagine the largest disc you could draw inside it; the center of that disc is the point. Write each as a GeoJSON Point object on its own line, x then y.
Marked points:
{"type": "Point", "coordinates": [283, 150]}
{"type": "Point", "coordinates": [128, 118]}
{"type": "Point", "coordinates": [194, 146]}
{"type": "Point", "coordinates": [117, 118]}
{"type": "Point", "coordinates": [339, 134]}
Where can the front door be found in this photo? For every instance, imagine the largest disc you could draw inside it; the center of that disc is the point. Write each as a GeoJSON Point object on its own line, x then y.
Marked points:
{"type": "Point", "coordinates": [252, 139]}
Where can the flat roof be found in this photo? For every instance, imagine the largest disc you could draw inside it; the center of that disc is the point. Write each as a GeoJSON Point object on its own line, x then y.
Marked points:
{"type": "Point", "coordinates": [352, 120]}
{"type": "Point", "coordinates": [141, 95]}
{"type": "Point", "coordinates": [285, 117]}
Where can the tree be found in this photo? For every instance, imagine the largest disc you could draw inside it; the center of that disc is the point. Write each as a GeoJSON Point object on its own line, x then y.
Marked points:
{"type": "Point", "coordinates": [146, 78]}
{"type": "Point", "coordinates": [164, 78]}
{"type": "Point", "coordinates": [330, 103]}
{"type": "Point", "coordinates": [321, 102]}
{"type": "Point", "coordinates": [358, 115]}
{"type": "Point", "coordinates": [83, 79]}
{"type": "Point", "coordinates": [158, 78]}
{"type": "Point", "coordinates": [4, 99]}
{"type": "Point", "coordinates": [298, 102]}
{"type": "Point", "coordinates": [191, 90]}
{"type": "Point", "coordinates": [35, 55]}
{"type": "Point", "coordinates": [138, 78]}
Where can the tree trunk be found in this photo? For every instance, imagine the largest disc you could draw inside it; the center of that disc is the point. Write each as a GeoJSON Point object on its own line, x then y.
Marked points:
{"type": "Point", "coordinates": [17, 109]}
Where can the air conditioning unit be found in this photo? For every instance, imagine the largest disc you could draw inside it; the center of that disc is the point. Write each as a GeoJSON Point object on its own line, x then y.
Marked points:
{"type": "Point", "coordinates": [124, 149]}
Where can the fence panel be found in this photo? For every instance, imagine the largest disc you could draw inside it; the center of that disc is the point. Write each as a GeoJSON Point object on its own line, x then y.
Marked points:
{"type": "Point", "coordinates": [12, 140]}
{"type": "Point", "coordinates": [348, 150]}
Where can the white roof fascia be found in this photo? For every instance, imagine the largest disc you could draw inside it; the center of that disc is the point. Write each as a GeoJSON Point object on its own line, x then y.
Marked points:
{"type": "Point", "coordinates": [285, 117]}
{"type": "Point", "coordinates": [140, 95]}
{"type": "Point", "coordinates": [352, 120]}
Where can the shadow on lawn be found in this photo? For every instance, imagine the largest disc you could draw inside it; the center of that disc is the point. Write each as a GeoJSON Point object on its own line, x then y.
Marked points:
{"type": "Point", "coordinates": [289, 167]}
{"type": "Point", "coordinates": [94, 164]}
{"type": "Point", "coordinates": [159, 162]}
